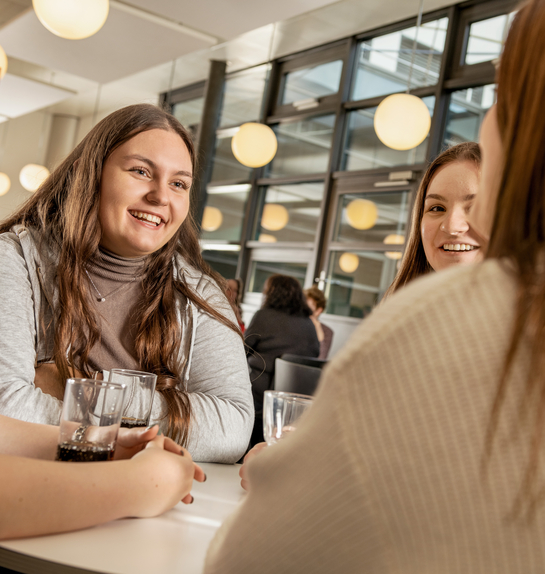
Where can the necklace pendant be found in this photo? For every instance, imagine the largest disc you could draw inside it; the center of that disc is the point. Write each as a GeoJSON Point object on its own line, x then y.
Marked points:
{"type": "Point", "coordinates": [101, 299]}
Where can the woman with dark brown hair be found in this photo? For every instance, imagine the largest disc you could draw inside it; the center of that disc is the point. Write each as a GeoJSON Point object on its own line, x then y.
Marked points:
{"type": "Point", "coordinates": [101, 268]}
{"type": "Point", "coordinates": [440, 234]}
{"type": "Point", "coordinates": [423, 450]}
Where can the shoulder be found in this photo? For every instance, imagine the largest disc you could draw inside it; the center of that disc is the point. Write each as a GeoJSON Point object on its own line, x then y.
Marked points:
{"type": "Point", "coordinates": [456, 307]}
{"type": "Point", "coordinates": [199, 282]}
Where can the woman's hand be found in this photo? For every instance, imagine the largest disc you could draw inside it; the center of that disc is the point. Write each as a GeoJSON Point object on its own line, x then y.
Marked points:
{"type": "Point", "coordinates": [132, 441]}
{"type": "Point", "coordinates": [243, 472]}
{"type": "Point", "coordinates": [172, 475]}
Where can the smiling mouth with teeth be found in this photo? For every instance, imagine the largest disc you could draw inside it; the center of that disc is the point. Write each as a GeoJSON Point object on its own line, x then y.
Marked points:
{"type": "Point", "coordinates": [459, 247]}
{"type": "Point", "coordinates": [146, 217]}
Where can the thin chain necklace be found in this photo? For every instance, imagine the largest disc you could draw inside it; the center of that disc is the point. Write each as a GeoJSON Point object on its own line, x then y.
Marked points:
{"type": "Point", "coordinates": [101, 298]}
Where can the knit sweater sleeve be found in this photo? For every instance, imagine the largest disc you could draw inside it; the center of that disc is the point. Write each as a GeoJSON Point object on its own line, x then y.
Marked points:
{"type": "Point", "coordinates": [19, 398]}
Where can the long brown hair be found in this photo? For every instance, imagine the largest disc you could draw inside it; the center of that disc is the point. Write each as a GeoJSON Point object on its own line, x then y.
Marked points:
{"type": "Point", "coordinates": [518, 231]}
{"type": "Point", "coordinates": [64, 211]}
{"type": "Point", "coordinates": [414, 262]}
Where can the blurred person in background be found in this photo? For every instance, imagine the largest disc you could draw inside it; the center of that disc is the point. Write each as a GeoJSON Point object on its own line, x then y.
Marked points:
{"type": "Point", "coordinates": [281, 326]}
{"type": "Point", "coordinates": [317, 302]}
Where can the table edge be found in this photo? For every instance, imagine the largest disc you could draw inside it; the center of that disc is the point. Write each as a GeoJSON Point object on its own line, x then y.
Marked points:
{"type": "Point", "coordinates": [30, 565]}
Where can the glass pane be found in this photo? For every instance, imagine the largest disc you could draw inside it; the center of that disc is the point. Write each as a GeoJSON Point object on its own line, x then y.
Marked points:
{"type": "Point", "coordinates": [189, 114]}
{"type": "Point", "coordinates": [224, 212]}
{"type": "Point", "coordinates": [243, 96]}
{"type": "Point", "coordinates": [383, 63]}
{"type": "Point", "coordinates": [303, 146]}
{"type": "Point", "coordinates": [226, 167]}
{"type": "Point", "coordinates": [262, 270]}
{"type": "Point", "coordinates": [365, 151]}
{"type": "Point", "coordinates": [486, 38]}
{"type": "Point", "coordinates": [224, 262]}
{"type": "Point", "coordinates": [314, 82]}
{"type": "Point", "coordinates": [373, 217]}
{"type": "Point", "coordinates": [357, 280]}
{"type": "Point", "coordinates": [290, 213]}
{"type": "Point", "coordinates": [466, 112]}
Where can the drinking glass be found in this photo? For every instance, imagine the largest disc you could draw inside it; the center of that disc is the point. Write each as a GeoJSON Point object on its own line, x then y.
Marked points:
{"type": "Point", "coordinates": [90, 419]}
{"type": "Point", "coordinates": [281, 412]}
{"type": "Point", "coordinates": [141, 387]}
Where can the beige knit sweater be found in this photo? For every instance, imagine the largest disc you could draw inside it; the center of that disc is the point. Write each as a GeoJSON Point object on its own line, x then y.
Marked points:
{"type": "Point", "coordinates": [383, 476]}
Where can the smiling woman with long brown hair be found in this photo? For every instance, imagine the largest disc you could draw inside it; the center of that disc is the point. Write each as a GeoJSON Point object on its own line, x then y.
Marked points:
{"type": "Point", "coordinates": [424, 448]}
{"type": "Point", "coordinates": [101, 268]}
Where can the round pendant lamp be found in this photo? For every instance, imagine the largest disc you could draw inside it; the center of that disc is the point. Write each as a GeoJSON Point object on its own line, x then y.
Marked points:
{"type": "Point", "coordinates": [274, 217]}
{"type": "Point", "coordinates": [254, 145]}
{"type": "Point", "coordinates": [3, 63]}
{"type": "Point", "coordinates": [5, 183]}
{"type": "Point", "coordinates": [212, 219]}
{"type": "Point", "coordinates": [32, 176]}
{"type": "Point", "coordinates": [394, 239]}
{"type": "Point", "coordinates": [361, 214]}
{"type": "Point", "coordinates": [402, 121]}
{"type": "Point", "coordinates": [266, 238]}
{"type": "Point", "coordinates": [349, 262]}
{"type": "Point", "coordinates": [72, 19]}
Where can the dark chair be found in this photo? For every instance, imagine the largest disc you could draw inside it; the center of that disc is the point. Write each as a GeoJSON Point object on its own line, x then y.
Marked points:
{"type": "Point", "coordinates": [295, 378]}
{"type": "Point", "coordinates": [308, 361]}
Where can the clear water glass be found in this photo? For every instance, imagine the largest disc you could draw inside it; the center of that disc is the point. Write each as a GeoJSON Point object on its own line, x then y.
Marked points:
{"type": "Point", "coordinates": [281, 412]}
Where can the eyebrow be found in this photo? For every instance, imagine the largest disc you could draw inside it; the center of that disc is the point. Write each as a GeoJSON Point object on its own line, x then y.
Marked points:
{"type": "Point", "coordinates": [468, 197]}
{"type": "Point", "coordinates": [153, 165]}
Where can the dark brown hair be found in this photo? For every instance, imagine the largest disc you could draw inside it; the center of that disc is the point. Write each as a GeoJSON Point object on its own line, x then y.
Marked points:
{"type": "Point", "coordinates": [414, 262]}
{"type": "Point", "coordinates": [285, 294]}
{"type": "Point", "coordinates": [64, 212]}
{"type": "Point", "coordinates": [317, 296]}
{"type": "Point", "coordinates": [518, 231]}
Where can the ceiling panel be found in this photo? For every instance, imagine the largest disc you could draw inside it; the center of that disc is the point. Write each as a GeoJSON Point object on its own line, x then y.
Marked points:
{"type": "Point", "coordinates": [20, 96]}
{"type": "Point", "coordinates": [125, 45]}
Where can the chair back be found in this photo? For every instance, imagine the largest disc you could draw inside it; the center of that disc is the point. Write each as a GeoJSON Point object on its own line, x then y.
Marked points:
{"type": "Point", "coordinates": [295, 378]}
{"type": "Point", "coordinates": [309, 361]}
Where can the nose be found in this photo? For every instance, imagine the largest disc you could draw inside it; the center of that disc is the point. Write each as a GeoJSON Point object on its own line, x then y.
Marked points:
{"type": "Point", "coordinates": [158, 194]}
{"type": "Point", "coordinates": [455, 223]}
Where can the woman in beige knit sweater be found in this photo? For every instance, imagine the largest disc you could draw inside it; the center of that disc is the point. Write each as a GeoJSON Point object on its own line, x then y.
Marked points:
{"type": "Point", "coordinates": [422, 452]}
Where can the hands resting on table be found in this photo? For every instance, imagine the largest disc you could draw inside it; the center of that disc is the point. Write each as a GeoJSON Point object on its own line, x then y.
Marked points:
{"type": "Point", "coordinates": [243, 472]}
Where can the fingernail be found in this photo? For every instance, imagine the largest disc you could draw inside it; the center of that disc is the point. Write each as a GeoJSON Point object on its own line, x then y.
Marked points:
{"type": "Point", "coordinates": [181, 452]}
{"type": "Point", "coordinates": [192, 500]}
{"type": "Point", "coordinates": [205, 477]}
{"type": "Point", "coordinates": [150, 427]}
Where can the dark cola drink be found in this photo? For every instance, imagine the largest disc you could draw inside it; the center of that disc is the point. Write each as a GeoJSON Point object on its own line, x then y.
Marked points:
{"type": "Point", "coordinates": [84, 452]}
{"type": "Point", "coordinates": [131, 423]}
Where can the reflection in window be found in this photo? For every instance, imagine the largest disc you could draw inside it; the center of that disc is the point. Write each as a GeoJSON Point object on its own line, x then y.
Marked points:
{"type": "Point", "coordinates": [372, 217]}
{"type": "Point", "coordinates": [189, 114]}
{"type": "Point", "coordinates": [364, 150]}
{"type": "Point", "coordinates": [243, 96]}
{"type": "Point", "coordinates": [224, 212]}
{"type": "Point", "coordinates": [486, 38]}
{"type": "Point", "coordinates": [224, 262]}
{"type": "Point", "coordinates": [314, 82]}
{"type": "Point", "coordinates": [384, 62]}
{"type": "Point", "coordinates": [303, 146]}
{"type": "Point", "coordinates": [226, 166]}
{"type": "Point", "coordinates": [466, 112]}
{"type": "Point", "coordinates": [262, 270]}
{"type": "Point", "coordinates": [357, 280]}
{"type": "Point", "coordinates": [290, 213]}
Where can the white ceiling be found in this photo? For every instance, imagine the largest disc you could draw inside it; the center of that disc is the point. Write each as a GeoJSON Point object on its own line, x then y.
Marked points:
{"type": "Point", "coordinates": [130, 59]}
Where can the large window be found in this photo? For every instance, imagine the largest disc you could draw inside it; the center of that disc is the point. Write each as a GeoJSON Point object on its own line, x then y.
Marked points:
{"type": "Point", "coordinates": [333, 206]}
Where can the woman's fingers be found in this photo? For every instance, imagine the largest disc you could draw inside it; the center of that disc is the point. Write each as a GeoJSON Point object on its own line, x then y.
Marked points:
{"type": "Point", "coordinates": [128, 438]}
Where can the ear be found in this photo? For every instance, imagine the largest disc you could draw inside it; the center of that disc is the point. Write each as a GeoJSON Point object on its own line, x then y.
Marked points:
{"type": "Point", "coordinates": [319, 311]}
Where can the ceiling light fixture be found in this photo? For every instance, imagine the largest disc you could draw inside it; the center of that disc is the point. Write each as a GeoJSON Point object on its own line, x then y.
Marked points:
{"type": "Point", "coordinates": [3, 63]}
{"type": "Point", "coordinates": [72, 20]}
{"type": "Point", "coordinates": [32, 176]}
{"type": "Point", "coordinates": [5, 181]}
{"type": "Point", "coordinates": [361, 214]}
{"type": "Point", "coordinates": [212, 219]}
{"type": "Point", "coordinates": [274, 217]}
{"type": "Point", "coordinates": [402, 121]}
{"type": "Point", "coordinates": [349, 262]}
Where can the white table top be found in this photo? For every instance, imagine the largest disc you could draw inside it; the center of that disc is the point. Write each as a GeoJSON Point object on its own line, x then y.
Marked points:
{"type": "Point", "coordinates": [174, 542]}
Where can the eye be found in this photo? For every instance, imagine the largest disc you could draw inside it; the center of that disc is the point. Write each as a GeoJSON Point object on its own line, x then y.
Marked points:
{"type": "Point", "coordinates": [180, 185]}
{"type": "Point", "coordinates": [437, 209]}
{"type": "Point", "coordinates": [140, 171]}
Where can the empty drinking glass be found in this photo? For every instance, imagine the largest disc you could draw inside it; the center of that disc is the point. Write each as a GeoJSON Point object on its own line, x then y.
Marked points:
{"type": "Point", "coordinates": [281, 412]}
{"type": "Point", "coordinates": [140, 390]}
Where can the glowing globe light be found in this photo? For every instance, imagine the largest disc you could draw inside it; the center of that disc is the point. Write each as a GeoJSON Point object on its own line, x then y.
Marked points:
{"type": "Point", "coordinates": [361, 213]}
{"type": "Point", "coordinates": [5, 183]}
{"type": "Point", "coordinates": [394, 239]}
{"type": "Point", "coordinates": [254, 145]}
{"type": "Point", "coordinates": [274, 217]}
{"type": "Point", "coordinates": [3, 63]}
{"type": "Point", "coordinates": [212, 219]}
{"type": "Point", "coordinates": [32, 176]}
{"type": "Point", "coordinates": [402, 121]}
{"type": "Point", "coordinates": [349, 262]}
{"type": "Point", "coordinates": [393, 254]}
{"type": "Point", "coordinates": [266, 238]}
{"type": "Point", "coordinates": [72, 19]}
